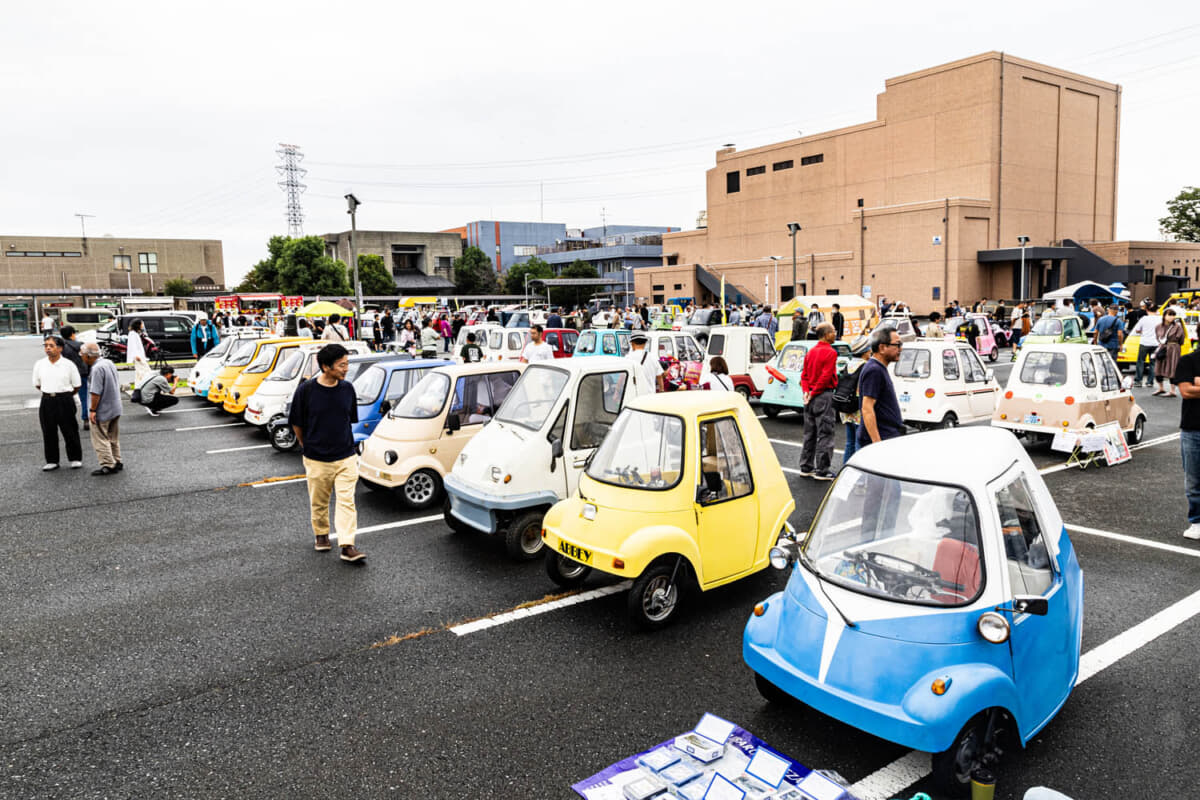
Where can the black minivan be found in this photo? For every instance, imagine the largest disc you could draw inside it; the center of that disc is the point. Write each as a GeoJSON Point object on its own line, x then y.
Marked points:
{"type": "Point", "coordinates": [170, 330]}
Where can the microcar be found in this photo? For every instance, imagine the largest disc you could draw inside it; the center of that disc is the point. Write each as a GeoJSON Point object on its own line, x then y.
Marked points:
{"type": "Point", "coordinates": [602, 342]}
{"type": "Point", "coordinates": [299, 364]}
{"type": "Point", "coordinates": [531, 454]}
{"type": "Point", "coordinates": [1067, 387]}
{"type": "Point", "coordinates": [380, 386]}
{"type": "Point", "coordinates": [1056, 328]}
{"type": "Point", "coordinates": [685, 493]}
{"type": "Point", "coordinates": [222, 381]}
{"type": "Point", "coordinates": [681, 357]}
{"type": "Point", "coordinates": [249, 379]}
{"type": "Point", "coordinates": [783, 376]}
{"type": "Point", "coordinates": [232, 345]}
{"type": "Point", "coordinates": [1127, 357]}
{"type": "Point", "coordinates": [940, 384]}
{"type": "Point", "coordinates": [936, 602]}
{"type": "Point", "coordinates": [986, 343]}
{"type": "Point", "coordinates": [746, 351]}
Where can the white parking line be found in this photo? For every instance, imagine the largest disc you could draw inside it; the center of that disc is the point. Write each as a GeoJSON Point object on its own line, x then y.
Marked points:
{"type": "Point", "coordinates": [1121, 537]}
{"type": "Point", "coordinates": [236, 449]}
{"type": "Point", "coordinates": [540, 608]}
{"type": "Point", "coordinates": [1171, 437]}
{"type": "Point", "coordinates": [914, 766]}
{"type": "Point", "coordinates": [277, 483]}
{"type": "Point", "coordinates": [207, 427]}
{"type": "Point", "coordinates": [187, 410]}
{"type": "Point", "coordinates": [404, 523]}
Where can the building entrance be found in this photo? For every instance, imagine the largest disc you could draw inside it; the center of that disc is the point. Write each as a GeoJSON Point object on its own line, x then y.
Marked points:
{"type": "Point", "coordinates": [14, 318]}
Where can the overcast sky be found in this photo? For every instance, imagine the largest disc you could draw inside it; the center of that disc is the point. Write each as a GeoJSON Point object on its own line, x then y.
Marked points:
{"type": "Point", "coordinates": [162, 119]}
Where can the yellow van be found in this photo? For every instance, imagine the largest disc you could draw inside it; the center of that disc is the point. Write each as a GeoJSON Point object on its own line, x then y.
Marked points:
{"type": "Point", "coordinates": [270, 354]}
{"type": "Point", "coordinates": [222, 382]}
{"type": "Point", "coordinates": [859, 313]}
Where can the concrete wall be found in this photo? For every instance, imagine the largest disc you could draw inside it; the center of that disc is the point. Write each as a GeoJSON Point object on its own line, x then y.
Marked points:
{"type": "Point", "coordinates": [193, 259]}
{"type": "Point", "coordinates": [443, 246]}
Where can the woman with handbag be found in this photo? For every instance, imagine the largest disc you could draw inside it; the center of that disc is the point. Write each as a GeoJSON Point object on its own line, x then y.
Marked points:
{"type": "Point", "coordinates": [1166, 358]}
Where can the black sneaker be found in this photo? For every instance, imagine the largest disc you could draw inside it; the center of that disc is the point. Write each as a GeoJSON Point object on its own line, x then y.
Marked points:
{"type": "Point", "coordinates": [103, 471]}
{"type": "Point", "coordinates": [352, 553]}
{"type": "Point", "coordinates": [118, 467]}
{"type": "Point", "coordinates": [824, 475]}
{"type": "Point", "coordinates": [806, 473]}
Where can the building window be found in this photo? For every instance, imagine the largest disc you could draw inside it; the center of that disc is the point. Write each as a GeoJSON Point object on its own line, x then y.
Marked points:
{"type": "Point", "coordinates": [657, 299]}
{"type": "Point", "coordinates": [147, 262]}
{"type": "Point", "coordinates": [755, 170]}
{"type": "Point", "coordinates": [658, 287]}
{"type": "Point", "coordinates": [123, 262]}
{"type": "Point", "coordinates": [678, 286]}
{"type": "Point", "coordinates": [817, 159]}
{"type": "Point", "coordinates": [1175, 272]}
{"type": "Point", "coordinates": [444, 264]}
{"type": "Point", "coordinates": [524, 250]}
{"type": "Point", "coordinates": [778, 165]}
{"type": "Point", "coordinates": [733, 182]}
{"type": "Point", "coordinates": [32, 253]}
{"type": "Point", "coordinates": [14, 253]}
{"type": "Point", "coordinates": [1148, 277]}
{"type": "Point", "coordinates": [672, 261]}
{"type": "Point", "coordinates": [76, 254]}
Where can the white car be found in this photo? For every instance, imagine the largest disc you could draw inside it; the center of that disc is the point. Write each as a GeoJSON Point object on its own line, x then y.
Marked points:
{"type": "Point", "coordinates": [201, 374]}
{"type": "Point", "coordinates": [941, 384]}
{"type": "Point", "coordinates": [275, 392]}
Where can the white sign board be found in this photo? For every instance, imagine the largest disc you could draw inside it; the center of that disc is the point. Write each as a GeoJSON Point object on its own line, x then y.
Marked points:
{"type": "Point", "coordinates": [937, 240]}
{"type": "Point", "coordinates": [866, 292]}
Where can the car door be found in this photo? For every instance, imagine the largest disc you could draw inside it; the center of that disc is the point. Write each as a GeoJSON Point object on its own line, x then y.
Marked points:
{"type": "Point", "coordinates": [1071, 331]}
{"type": "Point", "coordinates": [726, 507]}
{"type": "Point", "coordinates": [1043, 656]}
{"type": "Point", "coordinates": [1117, 407]}
{"type": "Point", "coordinates": [176, 335]}
{"type": "Point", "coordinates": [762, 352]}
{"type": "Point", "coordinates": [593, 408]}
{"type": "Point", "coordinates": [981, 394]}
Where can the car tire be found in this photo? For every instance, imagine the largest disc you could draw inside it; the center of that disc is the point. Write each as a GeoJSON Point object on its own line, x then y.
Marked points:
{"type": "Point", "coordinates": [565, 572]}
{"type": "Point", "coordinates": [771, 410]}
{"type": "Point", "coordinates": [422, 489]}
{"type": "Point", "coordinates": [995, 354]}
{"type": "Point", "coordinates": [523, 536]}
{"type": "Point", "coordinates": [452, 522]}
{"type": "Point", "coordinates": [654, 600]}
{"type": "Point", "coordinates": [952, 767]}
{"type": "Point", "coordinates": [283, 439]}
{"type": "Point", "coordinates": [948, 421]}
{"type": "Point", "coordinates": [1138, 432]}
{"type": "Point", "coordinates": [770, 692]}
{"type": "Point", "coordinates": [744, 392]}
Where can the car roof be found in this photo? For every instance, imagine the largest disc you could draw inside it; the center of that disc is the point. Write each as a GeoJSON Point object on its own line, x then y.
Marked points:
{"type": "Point", "coordinates": [393, 363]}
{"type": "Point", "coordinates": [993, 451]}
{"type": "Point", "coordinates": [589, 364]}
{"type": "Point", "coordinates": [481, 367]}
{"type": "Point", "coordinates": [1062, 347]}
{"type": "Point", "coordinates": [689, 403]}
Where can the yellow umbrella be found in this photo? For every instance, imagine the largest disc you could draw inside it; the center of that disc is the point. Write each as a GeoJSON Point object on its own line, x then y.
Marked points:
{"type": "Point", "coordinates": [321, 308]}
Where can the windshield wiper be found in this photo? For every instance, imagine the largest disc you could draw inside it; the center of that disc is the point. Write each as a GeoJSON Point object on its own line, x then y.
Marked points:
{"type": "Point", "coordinates": [804, 559]}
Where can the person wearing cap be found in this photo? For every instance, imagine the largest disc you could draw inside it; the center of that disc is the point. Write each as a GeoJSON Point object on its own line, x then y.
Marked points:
{"type": "Point", "coordinates": [646, 361]}
{"type": "Point", "coordinates": [204, 336]}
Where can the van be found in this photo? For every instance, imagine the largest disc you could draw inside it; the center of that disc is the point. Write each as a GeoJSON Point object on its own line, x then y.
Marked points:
{"type": "Point", "coordinates": [84, 319]}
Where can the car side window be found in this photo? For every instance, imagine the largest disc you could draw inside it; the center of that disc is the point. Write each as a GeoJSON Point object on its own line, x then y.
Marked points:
{"type": "Point", "coordinates": [174, 327]}
{"type": "Point", "coordinates": [688, 350]}
{"type": "Point", "coordinates": [1030, 570]}
{"type": "Point", "coordinates": [1071, 328]}
{"type": "Point", "coordinates": [597, 403]}
{"type": "Point", "coordinates": [623, 345]}
{"type": "Point", "coordinates": [501, 384]}
{"type": "Point", "coordinates": [609, 346]}
{"type": "Point", "coordinates": [716, 344]}
{"type": "Point", "coordinates": [153, 326]}
{"type": "Point", "coordinates": [971, 367]}
{"type": "Point", "coordinates": [725, 472]}
{"type": "Point", "coordinates": [666, 348]}
{"type": "Point", "coordinates": [559, 429]}
{"type": "Point", "coordinates": [949, 365]}
{"type": "Point", "coordinates": [1089, 371]}
{"type": "Point", "coordinates": [761, 349]}
{"type": "Point", "coordinates": [552, 340]}
{"type": "Point", "coordinates": [516, 341]}
{"type": "Point", "coordinates": [472, 402]}
{"type": "Point", "coordinates": [1110, 381]}
{"type": "Point", "coordinates": [569, 342]}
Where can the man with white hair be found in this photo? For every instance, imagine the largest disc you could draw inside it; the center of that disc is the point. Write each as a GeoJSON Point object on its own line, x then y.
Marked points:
{"type": "Point", "coordinates": [104, 409]}
{"type": "Point", "coordinates": [204, 335]}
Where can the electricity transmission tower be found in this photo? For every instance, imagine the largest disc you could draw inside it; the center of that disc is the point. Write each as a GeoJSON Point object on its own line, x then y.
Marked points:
{"type": "Point", "coordinates": [292, 172]}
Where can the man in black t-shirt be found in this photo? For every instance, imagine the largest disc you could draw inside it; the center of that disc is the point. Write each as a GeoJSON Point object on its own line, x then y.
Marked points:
{"type": "Point", "coordinates": [471, 353]}
{"type": "Point", "coordinates": [1187, 378]}
{"type": "Point", "coordinates": [881, 418]}
{"type": "Point", "coordinates": [323, 409]}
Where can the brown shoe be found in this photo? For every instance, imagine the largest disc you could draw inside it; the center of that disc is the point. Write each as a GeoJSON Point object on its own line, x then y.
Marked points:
{"type": "Point", "coordinates": [352, 553]}
{"type": "Point", "coordinates": [322, 544]}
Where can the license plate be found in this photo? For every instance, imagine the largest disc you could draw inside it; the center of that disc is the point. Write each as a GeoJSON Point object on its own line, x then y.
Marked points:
{"type": "Point", "coordinates": [576, 553]}
{"type": "Point", "coordinates": [904, 398]}
{"type": "Point", "coordinates": [1033, 419]}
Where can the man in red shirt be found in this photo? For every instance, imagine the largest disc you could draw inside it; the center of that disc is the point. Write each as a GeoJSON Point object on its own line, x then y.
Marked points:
{"type": "Point", "coordinates": [818, 380]}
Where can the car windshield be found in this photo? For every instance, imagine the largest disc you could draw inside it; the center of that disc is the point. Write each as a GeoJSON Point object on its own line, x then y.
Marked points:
{"type": "Point", "coordinates": [289, 368]}
{"type": "Point", "coordinates": [262, 361]}
{"type": "Point", "coordinates": [368, 384]}
{"type": "Point", "coordinates": [244, 352]}
{"type": "Point", "coordinates": [425, 400]}
{"type": "Point", "coordinates": [108, 327]}
{"type": "Point", "coordinates": [1047, 327]}
{"type": "Point", "coordinates": [518, 320]}
{"type": "Point", "coordinates": [1044, 369]}
{"type": "Point", "coordinates": [533, 398]}
{"type": "Point", "coordinates": [688, 351]}
{"type": "Point", "coordinates": [641, 451]}
{"type": "Point", "coordinates": [220, 350]}
{"type": "Point", "coordinates": [700, 317]}
{"type": "Point", "coordinates": [898, 540]}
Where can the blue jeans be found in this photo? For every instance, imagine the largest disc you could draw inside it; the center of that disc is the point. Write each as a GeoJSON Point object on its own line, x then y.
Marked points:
{"type": "Point", "coordinates": [1145, 357]}
{"type": "Point", "coordinates": [851, 441]}
{"type": "Point", "coordinates": [83, 399]}
{"type": "Point", "coordinates": [1189, 445]}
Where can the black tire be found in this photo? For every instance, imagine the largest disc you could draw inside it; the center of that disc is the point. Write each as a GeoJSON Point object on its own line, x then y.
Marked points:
{"type": "Point", "coordinates": [744, 392]}
{"type": "Point", "coordinates": [565, 572]}
{"type": "Point", "coordinates": [771, 410]}
{"type": "Point", "coordinates": [952, 767]}
{"type": "Point", "coordinates": [422, 489]}
{"type": "Point", "coordinates": [1138, 432]}
{"type": "Point", "coordinates": [654, 601]}
{"type": "Point", "coordinates": [770, 692]}
{"type": "Point", "coordinates": [992, 356]}
{"type": "Point", "coordinates": [523, 536]}
{"type": "Point", "coordinates": [948, 421]}
{"type": "Point", "coordinates": [283, 438]}
{"type": "Point", "coordinates": [453, 522]}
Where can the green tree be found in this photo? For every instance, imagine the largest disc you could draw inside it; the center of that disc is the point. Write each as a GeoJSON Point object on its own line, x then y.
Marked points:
{"type": "Point", "coordinates": [264, 276]}
{"type": "Point", "coordinates": [474, 273]}
{"type": "Point", "coordinates": [179, 287]}
{"type": "Point", "coordinates": [1182, 222]}
{"type": "Point", "coordinates": [303, 268]}
{"type": "Point", "coordinates": [567, 296]}
{"type": "Point", "coordinates": [374, 276]}
{"type": "Point", "coordinates": [514, 279]}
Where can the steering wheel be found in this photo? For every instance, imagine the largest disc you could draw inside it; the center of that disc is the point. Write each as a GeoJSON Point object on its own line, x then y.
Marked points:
{"type": "Point", "coordinates": [879, 561]}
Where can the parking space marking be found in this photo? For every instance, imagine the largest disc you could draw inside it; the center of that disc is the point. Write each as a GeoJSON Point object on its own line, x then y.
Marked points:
{"type": "Point", "coordinates": [236, 449]}
{"type": "Point", "coordinates": [1171, 437]}
{"type": "Point", "coordinates": [404, 523]}
{"type": "Point", "coordinates": [207, 427]}
{"type": "Point", "coordinates": [187, 410]}
{"type": "Point", "coordinates": [266, 483]}
{"type": "Point", "coordinates": [1121, 537]}
{"type": "Point", "coordinates": [537, 608]}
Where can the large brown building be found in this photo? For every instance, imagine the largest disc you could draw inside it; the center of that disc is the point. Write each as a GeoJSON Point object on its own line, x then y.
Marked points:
{"type": "Point", "coordinates": [420, 263]}
{"type": "Point", "coordinates": [924, 204]}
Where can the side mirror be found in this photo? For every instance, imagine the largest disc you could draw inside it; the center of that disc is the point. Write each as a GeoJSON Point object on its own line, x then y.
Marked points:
{"type": "Point", "coordinates": [556, 448]}
{"type": "Point", "coordinates": [385, 406]}
{"type": "Point", "coordinates": [991, 374]}
{"type": "Point", "coordinates": [453, 423]}
{"type": "Point", "coordinates": [1030, 604]}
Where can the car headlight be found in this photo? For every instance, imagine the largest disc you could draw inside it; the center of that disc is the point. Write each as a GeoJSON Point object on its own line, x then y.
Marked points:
{"type": "Point", "coordinates": [390, 457]}
{"type": "Point", "coordinates": [588, 512]}
{"type": "Point", "coordinates": [993, 627]}
{"type": "Point", "coordinates": [783, 554]}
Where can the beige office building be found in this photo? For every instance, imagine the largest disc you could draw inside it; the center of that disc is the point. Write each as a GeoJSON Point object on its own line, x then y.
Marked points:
{"type": "Point", "coordinates": [924, 204]}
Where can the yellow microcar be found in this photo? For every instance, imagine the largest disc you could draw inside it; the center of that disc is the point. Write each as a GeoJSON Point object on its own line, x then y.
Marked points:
{"type": "Point", "coordinates": [685, 492]}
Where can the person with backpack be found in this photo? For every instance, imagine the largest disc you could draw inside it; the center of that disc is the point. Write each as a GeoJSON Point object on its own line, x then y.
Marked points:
{"type": "Point", "coordinates": [1109, 332]}
{"type": "Point", "coordinates": [845, 402]}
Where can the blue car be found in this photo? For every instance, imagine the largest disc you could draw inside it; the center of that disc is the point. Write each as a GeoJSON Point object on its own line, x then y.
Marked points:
{"type": "Point", "coordinates": [783, 376]}
{"type": "Point", "coordinates": [602, 342]}
{"type": "Point", "coordinates": [381, 385]}
{"type": "Point", "coordinates": [936, 602]}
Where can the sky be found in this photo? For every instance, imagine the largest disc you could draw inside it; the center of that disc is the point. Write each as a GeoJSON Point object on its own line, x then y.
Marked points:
{"type": "Point", "coordinates": [163, 120]}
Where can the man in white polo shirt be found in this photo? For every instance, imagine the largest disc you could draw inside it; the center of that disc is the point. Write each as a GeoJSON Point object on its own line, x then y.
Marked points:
{"type": "Point", "coordinates": [536, 349]}
{"type": "Point", "coordinates": [58, 380]}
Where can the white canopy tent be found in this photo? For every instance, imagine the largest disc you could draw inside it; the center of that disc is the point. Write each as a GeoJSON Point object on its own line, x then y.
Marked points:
{"type": "Point", "coordinates": [1072, 292]}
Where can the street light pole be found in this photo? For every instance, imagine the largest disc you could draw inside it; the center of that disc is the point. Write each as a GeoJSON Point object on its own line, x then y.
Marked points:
{"type": "Point", "coordinates": [793, 229]}
{"type": "Point", "coordinates": [128, 270]}
{"type": "Point", "coordinates": [1024, 240]}
{"type": "Point", "coordinates": [778, 291]}
{"type": "Point", "coordinates": [353, 204]}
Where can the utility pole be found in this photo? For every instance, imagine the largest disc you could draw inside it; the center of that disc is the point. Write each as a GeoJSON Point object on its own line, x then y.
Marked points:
{"type": "Point", "coordinates": [353, 204]}
{"type": "Point", "coordinates": [793, 229]}
{"type": "Point", "coordinates": [83, 231]}
{"type": "Point", "coordinates": [1024, 240]}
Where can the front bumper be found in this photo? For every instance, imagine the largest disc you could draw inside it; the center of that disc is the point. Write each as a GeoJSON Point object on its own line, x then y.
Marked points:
{"type": "Point", "coordinates": [479, 509]}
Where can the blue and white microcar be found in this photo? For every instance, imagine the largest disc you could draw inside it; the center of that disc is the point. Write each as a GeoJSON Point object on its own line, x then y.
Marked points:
{"type": "Point", "coordinates": [936, 602]}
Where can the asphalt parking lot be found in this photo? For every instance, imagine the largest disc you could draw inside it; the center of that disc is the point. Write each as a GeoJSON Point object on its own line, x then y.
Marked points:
{"type": "Point", "coordinates": [169, 632]}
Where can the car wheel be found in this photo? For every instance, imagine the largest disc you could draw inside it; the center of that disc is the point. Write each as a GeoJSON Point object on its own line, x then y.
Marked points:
{"type": "Point", "coordinates": [654, 599]}
{"type": "Point", "coordinates": [565, 572]}
{"type": "Point", "coordinates": [952, 767]}
{"type": "Point", "coordinates": [744, 392]}
{"type": "Point", "coordinates": [992, 356]}
{"type": "Point", "coordinates": [422, 489]}
{"type": "Point", "coordinates": [770, 410]}
{"type": "Point", "coordinates": [948, 421]}
{"type": "Point", "coordinates": [283, 438]}
{"type": "Point", "coordinates": [1139, 430]}
{"type": "Point", "coordinates": [453, 522]}
{"type": "Point", "coordinates": [523, 537]}
{"type": "Point", "coordinates": [770, 692]}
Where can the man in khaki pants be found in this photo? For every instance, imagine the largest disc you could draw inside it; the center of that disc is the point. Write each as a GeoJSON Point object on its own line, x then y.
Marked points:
{"type": "Point", "coordinates": [323, 409]}
{"type": "Point", "coordinates": [104, 409]}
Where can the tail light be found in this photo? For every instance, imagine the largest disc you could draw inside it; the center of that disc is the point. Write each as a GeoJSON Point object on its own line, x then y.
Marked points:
{"type": "Point", "coordinates": [930, 393]}
{"type": "Point", "coordinates": [1069, 400]}
{"type": "Point", "coordinates": [1008, 395]}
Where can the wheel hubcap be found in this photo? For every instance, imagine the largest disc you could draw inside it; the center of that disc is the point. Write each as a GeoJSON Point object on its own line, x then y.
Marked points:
{"type": "Point", "coordinates": [658, 601]}
{"type": "Point", "coordinates": [569, 569]}
{"type": "Point", "coordinates": [531, 539]}
{"type": "Point", "coordinates": [419, 488]}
